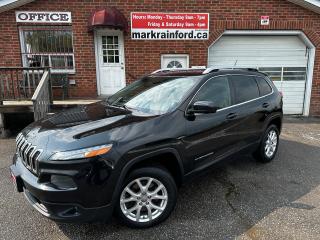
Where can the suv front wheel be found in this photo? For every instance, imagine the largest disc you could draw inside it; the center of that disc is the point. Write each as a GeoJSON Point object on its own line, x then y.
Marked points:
{"type": "Point", "coordinates": [147, 198]}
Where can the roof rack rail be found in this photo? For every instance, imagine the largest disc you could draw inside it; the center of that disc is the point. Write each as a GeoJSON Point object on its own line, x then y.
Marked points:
{"type": "Point", "coordinates": [204, 69]}
{"type": "Point", "coordinates": [178, 69]}
{"type": "Point", "coordinates": [215, 69]}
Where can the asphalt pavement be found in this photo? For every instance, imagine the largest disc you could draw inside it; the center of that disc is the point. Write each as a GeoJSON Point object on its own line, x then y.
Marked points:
{"type": "Point", "coordinates": [241, 199]}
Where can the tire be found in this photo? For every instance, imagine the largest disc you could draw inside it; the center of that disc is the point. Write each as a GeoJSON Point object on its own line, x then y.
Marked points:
{"type": "Point", "coordinates": [145, 199]}
{"type": "Point", "coordinates": [261, 154]}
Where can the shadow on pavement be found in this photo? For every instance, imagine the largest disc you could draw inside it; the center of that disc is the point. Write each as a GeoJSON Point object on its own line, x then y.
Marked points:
{"type": "Point", "coordinates": [228, 200]}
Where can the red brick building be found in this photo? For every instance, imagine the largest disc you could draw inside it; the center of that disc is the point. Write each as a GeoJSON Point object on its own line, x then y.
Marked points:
{"type": "Point", "coordinates": [91, 42]}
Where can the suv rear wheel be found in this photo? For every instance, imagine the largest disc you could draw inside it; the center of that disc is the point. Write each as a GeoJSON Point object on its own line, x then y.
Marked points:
{"type": "Point", "coordinates": [147, 198]}
{"type": "Point", "coordinates": [269, 145]}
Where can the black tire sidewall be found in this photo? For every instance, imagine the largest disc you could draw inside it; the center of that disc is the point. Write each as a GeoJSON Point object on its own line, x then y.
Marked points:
{"type": "Point", "coordinates": [166, 179]}
{"type": "Point", "coordinates": [262, 155]}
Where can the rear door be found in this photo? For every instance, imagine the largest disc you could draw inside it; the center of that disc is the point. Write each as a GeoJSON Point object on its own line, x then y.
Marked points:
{"type": "Point", "coordinates": [266, 101]}
{"type": "Point", "coordinates": [246, 99]}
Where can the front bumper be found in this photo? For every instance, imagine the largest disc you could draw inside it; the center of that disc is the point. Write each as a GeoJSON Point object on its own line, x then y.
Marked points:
{"type": "Point", "coordinates": [69, 212]}
{"type": "Point", "coordinates": [63, 205]}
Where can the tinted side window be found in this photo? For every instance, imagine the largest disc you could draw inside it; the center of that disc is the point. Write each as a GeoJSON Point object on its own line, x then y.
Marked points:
{"type": "Point", "coordinates": [245, 88]}
{"type": "Point", "coordinates": [216, 90]}
{"type": "Point", "coordinates": [264, 87]}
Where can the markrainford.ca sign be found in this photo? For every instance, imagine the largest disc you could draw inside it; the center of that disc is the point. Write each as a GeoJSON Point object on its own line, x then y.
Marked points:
{"type": "Point", "coordinates": [43, 17]}
{"type": "Point", "coordinates": [169, 26]}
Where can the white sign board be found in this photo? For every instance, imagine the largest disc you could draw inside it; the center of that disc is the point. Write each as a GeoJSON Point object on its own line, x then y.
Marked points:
{"type": "Point", "coordinates": [265, 20]}
{"type": "Point", "coordinates": [43, 17]}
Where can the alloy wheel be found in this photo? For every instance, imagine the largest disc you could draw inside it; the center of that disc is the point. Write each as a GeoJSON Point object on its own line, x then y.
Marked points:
{"type": "Point", "coordinates": [271, 143]}
{"type": "Point", "coordinates": [143, 199]}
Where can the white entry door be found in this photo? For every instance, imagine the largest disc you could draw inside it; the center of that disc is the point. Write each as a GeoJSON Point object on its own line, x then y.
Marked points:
{"type": "Point", "coordinates": [110, 61]}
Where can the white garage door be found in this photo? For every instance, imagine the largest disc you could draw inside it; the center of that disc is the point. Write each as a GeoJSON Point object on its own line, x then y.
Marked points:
{"type": "Point", "coordinates": [284, 58]}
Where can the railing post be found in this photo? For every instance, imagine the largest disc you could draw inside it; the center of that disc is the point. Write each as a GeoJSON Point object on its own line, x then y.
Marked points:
{"type": "Point", "coordinates": [50, 87]}
{"type": "Point", "coordinates": [3, 132]}
{"type": "Point", "coordinates": [41, 97]}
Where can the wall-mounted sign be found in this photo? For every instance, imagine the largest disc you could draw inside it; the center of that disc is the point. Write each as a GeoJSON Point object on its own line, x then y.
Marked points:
{"type": "Point", "coordinates": [43, 17]}
{"type": "Point", "coordinates": [265, 20]}
{"type": "Point", "coordinates": [169, 26]}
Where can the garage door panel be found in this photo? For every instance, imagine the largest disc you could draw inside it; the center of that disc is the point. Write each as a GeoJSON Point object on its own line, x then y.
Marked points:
{"type": "Point", "coordinates": [249, 53]}
{"type": "Point", "coordinates": [283, 58]}
{"type": "Point", "coordinates": [255, 63]}
{"type": "Point", "coordinates": [296, 111]}
{"type": "Point", "coordinates": [271, 42]}
{"type": "Point", "coordinates": [292, 93]}
{"type": "Point", "coordinates": [300, 84]}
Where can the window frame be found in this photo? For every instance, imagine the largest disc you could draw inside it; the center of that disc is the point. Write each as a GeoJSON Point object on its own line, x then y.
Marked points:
{"type": "Point", "coordinates": [256, 77]}
{"type": "Point", "coordinates": [232, 102]}
{"type": "Point", "coordinates": [23, 54]}
{"type": "Point", "coordinates": [234, 90]}
{"type": "Point", "coordinates": [211, 79]}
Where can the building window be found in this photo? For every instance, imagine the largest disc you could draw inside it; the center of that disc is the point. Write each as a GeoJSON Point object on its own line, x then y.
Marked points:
{"type": "Point", "coordinates": [174, 64]}
{"type": "Point", "coordinates": [285, 73]}
{"type": "Point", "coordinates": [110, 48]}
{"type": "Point", "coordinates": [174, 61]}
{"type": "Point", "coordinates": [48, 47]}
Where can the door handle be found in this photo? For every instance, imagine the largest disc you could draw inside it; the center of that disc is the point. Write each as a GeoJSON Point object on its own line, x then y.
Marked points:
{"type": "Point", "coordinates": [265, 105]}
{"type": "Point", "coordinates": [231, 116]}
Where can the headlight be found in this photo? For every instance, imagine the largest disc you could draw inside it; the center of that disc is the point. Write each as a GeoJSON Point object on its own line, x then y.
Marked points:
{"type": "Point", "coordinates": [82, 153]}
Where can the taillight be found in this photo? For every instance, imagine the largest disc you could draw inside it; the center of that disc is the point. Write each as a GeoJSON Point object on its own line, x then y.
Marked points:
{"type": "Point", "coordinates": [281, 93]}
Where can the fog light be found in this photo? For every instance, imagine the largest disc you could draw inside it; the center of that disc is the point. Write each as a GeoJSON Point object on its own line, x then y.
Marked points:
{"type": "Point", "coordinates": [63, 182]}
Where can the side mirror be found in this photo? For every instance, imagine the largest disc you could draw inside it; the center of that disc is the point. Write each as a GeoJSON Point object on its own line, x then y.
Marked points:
{"type": "Point", "coordinates": [203, 107]}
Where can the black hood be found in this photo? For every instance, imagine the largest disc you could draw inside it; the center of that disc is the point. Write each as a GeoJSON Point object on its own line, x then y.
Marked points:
{"type": "Point", "coordinates": [83, 126]}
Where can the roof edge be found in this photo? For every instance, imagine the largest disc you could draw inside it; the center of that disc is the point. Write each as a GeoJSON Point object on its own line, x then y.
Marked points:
{"type": "Point", "coordinates": [14, 4]}
{"type": "Point", "coordinates": [313, 5]}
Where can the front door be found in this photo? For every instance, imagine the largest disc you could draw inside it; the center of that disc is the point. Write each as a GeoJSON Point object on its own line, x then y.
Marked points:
{"type": "Point", "coordinates": [213, 135]}
{"type": "Point", "coordinates": [110, 61]}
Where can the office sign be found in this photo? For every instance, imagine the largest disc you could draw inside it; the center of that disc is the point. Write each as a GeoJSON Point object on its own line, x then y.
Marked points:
{"type": "Point", "coordinates": [169, 26]}
{"type": "Point", "coordinates": [43, 17]}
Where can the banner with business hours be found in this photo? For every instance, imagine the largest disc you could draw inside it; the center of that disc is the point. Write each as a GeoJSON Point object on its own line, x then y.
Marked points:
{"type": "Point", "coordinates": [169, 26]}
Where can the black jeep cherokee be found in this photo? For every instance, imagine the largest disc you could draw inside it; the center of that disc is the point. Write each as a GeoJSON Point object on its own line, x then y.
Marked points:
{"type": "Point", "coordinates": [127, 155]}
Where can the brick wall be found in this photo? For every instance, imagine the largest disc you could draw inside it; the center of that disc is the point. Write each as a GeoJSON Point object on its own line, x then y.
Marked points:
{"type": "Point", "coordinates": [142, 57]}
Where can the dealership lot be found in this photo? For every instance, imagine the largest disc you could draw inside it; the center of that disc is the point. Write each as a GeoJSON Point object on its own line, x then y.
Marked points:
{"type": "Point", "coordinates": [241, 199]}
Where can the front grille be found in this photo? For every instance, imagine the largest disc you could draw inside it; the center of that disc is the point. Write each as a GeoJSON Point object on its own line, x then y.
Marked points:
{"type": "Point", "coordinates": [28, 153]}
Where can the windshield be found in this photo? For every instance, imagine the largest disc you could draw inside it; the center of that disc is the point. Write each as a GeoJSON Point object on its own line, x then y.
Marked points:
{"type": "Point", "coordinates": [156, 95]}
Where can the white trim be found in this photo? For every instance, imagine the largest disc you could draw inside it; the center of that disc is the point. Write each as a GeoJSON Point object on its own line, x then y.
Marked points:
{"type": "Point", "coordinates": [303, 37]}
{"type": "Point", "coordinates": [96, 51]}
{"type": "Point", "coordinates": [175, 56]}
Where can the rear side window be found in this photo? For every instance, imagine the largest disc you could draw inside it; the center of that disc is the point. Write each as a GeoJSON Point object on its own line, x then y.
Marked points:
{"type": "Point", "coordinates": [216, 90]}
{"type": "Point", "coordinates": [264, 87]}
{"type": "Point", "coordinates": [245, 88]}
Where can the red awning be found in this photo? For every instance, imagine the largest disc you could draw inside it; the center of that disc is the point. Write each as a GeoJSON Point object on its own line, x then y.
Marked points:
{"type": "Point", "coordinates": [108, 17]}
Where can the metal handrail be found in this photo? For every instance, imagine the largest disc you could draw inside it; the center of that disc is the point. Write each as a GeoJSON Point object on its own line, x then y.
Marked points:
{"type": "Point", "coordinates": [41, 98]}
{"type": "Point", "coordinates": [24, 68]}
